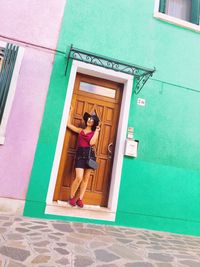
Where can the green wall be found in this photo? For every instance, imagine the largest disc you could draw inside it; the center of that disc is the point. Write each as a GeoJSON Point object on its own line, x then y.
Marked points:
{"type": "Point", "coordinates": [161, 188]}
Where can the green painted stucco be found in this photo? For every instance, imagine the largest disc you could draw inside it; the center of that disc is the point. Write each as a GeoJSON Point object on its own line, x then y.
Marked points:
{"type": "Point", "coordinates": [161, 188]}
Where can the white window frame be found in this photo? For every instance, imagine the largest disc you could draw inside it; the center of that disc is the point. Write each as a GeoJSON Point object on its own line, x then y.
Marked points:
{"type": "Point", "coordinates": [173, 20]}
{"type": "Point", "coordinates": [11, 93]}
{"type": "Point", "coordinates": [112, 75]}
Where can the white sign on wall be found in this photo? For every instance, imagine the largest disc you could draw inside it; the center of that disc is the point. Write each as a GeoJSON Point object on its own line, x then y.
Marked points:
{"type": "Point", "coordinates": [131, 147]}
{"type": "Point", "coordinates": [141, 102]}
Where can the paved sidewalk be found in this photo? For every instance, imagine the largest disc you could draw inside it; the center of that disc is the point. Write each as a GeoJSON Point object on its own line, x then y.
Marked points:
{"type": "Point", "coordinates": [33, 242]}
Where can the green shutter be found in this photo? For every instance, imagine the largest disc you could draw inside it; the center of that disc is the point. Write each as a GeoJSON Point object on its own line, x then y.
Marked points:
{"type": "Point", "coordinates": [195, 11]}
{"type": "Point", "coordinates": [10, 55]}
{"type": "Point", "coordinates": [162, 6]}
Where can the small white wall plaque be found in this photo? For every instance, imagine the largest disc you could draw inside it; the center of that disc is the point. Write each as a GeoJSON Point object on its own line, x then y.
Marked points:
{"type": "Point", "coordinates": [130, 129]}
{"type": "Point", "coordinates": [141, 102]}
{"type": "Point", "coordinates": [130, 135]}
{"type": "Point", "coordinates": [131, 147]}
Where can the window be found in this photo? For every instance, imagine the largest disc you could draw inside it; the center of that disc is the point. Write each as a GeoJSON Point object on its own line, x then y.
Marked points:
{"type": "Point", "coordinates": [1, 58]}
{"type": "Point", "coordinates": [10, 61]}
{"type": "Point", "coordinates": [8, 58]}
{"type": "Point", "coordinates": [96, 89]}
{"type": "Point", "coordinates": [187, 10]}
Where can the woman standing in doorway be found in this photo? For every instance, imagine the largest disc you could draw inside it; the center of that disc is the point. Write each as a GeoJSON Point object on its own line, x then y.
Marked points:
{"type": "Point", "coordinates": [87, 138]}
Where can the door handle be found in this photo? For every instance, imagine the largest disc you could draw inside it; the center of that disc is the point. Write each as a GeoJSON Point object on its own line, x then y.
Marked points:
{"type": "Point", "coordinates": [109, 150]}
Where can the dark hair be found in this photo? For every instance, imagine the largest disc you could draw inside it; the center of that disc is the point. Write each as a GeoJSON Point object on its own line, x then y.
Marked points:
{"type": "Point", "coordinates": [86, 116]}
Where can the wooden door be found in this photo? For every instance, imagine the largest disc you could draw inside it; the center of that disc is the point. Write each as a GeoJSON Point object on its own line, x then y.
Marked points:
{"type": "Point", "coordinates": [91, 93]}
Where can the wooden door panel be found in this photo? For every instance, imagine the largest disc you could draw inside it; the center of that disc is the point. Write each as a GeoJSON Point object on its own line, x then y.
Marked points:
{"type": "Point", "coordinates": [69, 169]}
{"type": "Point", "coordinates": [104, 142]}
{"type": "Point", "coordinates": [99, 110]}
{"type": "Point", "coordinates": [80, 107]}
{"type": "Point", "coordinates": [73, 142]}
{"type": "Point", "coordinates": [109, 114]}
{"type": "Point", "coordinates": [93, 102]}
{"type": "Point", "coordinates": [90, 107]}
{"type": "Point", "coordinates": [90, 183]}
{"type": "Point", "coordinates": [99, 183]}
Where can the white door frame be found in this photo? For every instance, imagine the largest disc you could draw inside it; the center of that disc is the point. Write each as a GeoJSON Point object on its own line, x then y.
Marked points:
{"type": "Point", "coordinates": [112, 75]}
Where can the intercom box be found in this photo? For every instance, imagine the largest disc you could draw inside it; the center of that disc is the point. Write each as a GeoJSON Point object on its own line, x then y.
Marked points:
{"type": "Point", "coordinates": [131, 148]}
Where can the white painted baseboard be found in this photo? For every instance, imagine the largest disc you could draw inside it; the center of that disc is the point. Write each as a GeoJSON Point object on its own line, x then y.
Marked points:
{"type": "Point", "coordinates": [11, 206]}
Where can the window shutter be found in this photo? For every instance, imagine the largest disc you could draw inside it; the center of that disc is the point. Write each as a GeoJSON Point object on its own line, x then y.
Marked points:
{"type": "Point", "coordinates": [195, 11]}
{"type": "Point", "coordinates": [162, 6]}
{"type": "Point", "coordinates": [10, 55]}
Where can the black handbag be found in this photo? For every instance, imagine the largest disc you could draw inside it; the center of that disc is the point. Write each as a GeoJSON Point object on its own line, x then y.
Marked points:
{"type": "Point", "coordinates": [91, 162]}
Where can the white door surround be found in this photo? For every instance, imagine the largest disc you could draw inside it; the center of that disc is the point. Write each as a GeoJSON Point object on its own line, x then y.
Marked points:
{"type": "Point", "coordinates": [112, 75]}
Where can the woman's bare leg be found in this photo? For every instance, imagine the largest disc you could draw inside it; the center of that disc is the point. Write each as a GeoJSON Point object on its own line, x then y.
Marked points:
{"type": "Point", "coordinates": [77, 181]}
{"type": "Point", "coordinates": [84, 182]}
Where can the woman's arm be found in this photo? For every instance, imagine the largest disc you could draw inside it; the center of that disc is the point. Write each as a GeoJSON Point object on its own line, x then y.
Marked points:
{"type": "Point", "coordinates": [95, 137]}
{"type": "Point", "coordinates": [71, 126]}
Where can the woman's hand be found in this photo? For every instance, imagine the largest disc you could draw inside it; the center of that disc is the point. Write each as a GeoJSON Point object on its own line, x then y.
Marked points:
{"type": "Point", "coordinates": [98, 128]}
{"type": "Point", "coordinates": [94, 139]}
{"type": "Point", "coordinates": [69, 123]}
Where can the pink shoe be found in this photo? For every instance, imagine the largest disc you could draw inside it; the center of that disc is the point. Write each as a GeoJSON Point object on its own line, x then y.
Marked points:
{"type": "Point", "coordinates": [79, 203]}
{"type": "Point", "coordinates": [72, 201]}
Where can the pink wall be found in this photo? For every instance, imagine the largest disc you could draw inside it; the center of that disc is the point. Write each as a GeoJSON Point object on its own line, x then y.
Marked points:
{"type": "Point", "coordinates": [36, 22]}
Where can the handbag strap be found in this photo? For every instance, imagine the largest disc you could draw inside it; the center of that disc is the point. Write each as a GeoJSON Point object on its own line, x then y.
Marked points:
{"type": "Point", "coordinates": [90, 152]}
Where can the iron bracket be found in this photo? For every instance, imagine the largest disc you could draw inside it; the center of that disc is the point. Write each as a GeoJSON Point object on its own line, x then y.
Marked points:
{"type": "Point", "coordinates": [141, 74]}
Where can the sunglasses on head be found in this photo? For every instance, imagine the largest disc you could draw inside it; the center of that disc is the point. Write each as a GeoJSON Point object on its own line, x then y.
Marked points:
{"type": "Point", "coordinates": [90, 119]}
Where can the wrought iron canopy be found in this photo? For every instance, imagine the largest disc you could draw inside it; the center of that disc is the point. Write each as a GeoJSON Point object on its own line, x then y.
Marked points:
{"type": "Point", "coordinates": [141, 74]}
